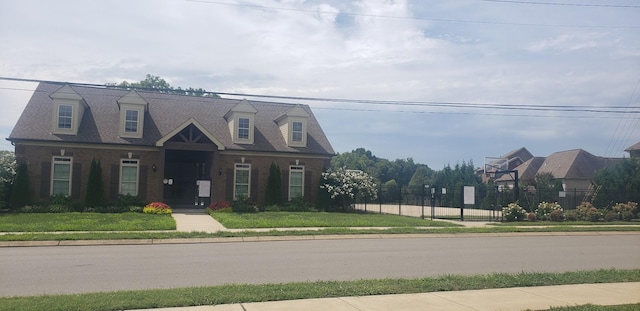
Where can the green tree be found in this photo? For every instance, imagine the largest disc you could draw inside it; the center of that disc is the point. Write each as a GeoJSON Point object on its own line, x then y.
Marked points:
{"type": "Point", "coordinates": [20, 190]}
{"type": "Point", "coordinates": [7, 173]}
{"type": "Point", "coordinates": [617, 184]}
{"type": "Point", "coordinates": [346, 186]}
{"type": "Point", "coordinates": [274, 185]}
{"type": "Point", "coordinates": [95, 186]}
{"type": "Point", "coordinates": [158, 84]}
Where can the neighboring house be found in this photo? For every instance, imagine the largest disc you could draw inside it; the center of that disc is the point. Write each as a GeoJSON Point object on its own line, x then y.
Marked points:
{"type": "Point", "coordinates": [634, 151]}
{"type": "Point", "coordinates": [183, 150]}
{"type": "Point", "coordinates": [575, 168]}
{"type": "Point", "coordinates": [508, 161]}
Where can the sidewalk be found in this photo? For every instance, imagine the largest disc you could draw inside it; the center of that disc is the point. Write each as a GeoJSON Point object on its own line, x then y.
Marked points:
{"type": "Point", "coordinates": [518, 298]}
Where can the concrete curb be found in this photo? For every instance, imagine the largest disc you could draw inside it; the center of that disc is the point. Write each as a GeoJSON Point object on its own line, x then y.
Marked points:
{"type": "Point", "coordinates": [296, 238]}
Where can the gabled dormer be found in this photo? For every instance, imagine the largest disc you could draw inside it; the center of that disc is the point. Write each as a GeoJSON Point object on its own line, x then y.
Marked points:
{"type": "Point", "coordinates": [133, 108]}
{"type": "Point", "coordinates": [293, 126]}
{"type": "Point", "coordinates": [68, 109]}
{"type": "Point", "coordinates": [241, 120]}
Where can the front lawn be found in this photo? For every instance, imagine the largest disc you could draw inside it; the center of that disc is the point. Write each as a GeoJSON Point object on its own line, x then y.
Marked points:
{"type": "Point", "coordinates": [321, 219]}
{"type": "Point", "coordinates": [48, 222]}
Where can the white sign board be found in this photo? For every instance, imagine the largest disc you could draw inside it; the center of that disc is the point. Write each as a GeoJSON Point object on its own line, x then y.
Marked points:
{"type": "Point", "coordinates": [469, 195]}
{"type": "Point", "coordinates": [204, 188]}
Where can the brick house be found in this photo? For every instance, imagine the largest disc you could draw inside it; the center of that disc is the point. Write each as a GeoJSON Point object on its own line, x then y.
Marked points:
{"type": "Point", "coordinates": [183, 150]}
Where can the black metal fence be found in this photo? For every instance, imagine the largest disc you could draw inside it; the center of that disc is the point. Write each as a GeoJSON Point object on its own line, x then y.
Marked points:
{"type": "Point", "coordinates": [447, 202]}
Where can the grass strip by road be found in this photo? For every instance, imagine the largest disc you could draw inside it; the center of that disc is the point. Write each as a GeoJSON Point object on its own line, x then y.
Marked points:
{"type": "Point", "coordinates": [321, 219]}
{"type": "Point", "coordinates": [51, 222]}
{"type": "Point", "coordinates": [564, 223]}
{"type": "Point", "coordinates": [227, 294]}
{"type": "Point", "coordinates": [328, 231]}
{"type": "Point", "coordinates": [631, 307]}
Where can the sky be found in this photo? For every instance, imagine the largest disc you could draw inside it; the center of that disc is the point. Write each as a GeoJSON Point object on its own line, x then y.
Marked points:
{"type": "Point", "coordinates": [438, 81]}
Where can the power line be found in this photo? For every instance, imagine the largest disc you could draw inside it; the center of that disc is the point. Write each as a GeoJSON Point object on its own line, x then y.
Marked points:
{"type": "Point", "coordinates": [445, 20]}
{"type": "Point", "coordinates": [567, 4]}
{"type": "Point", "coordinates": [596, 109]}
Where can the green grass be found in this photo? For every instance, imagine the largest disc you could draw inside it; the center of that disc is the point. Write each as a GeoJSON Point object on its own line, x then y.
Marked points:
{"type": "Point", "coordinates": [321, 219]}
{"type": "Point", "coordinates": [631, 307]}
{"type": "Point", "coordinates": [327, 231]}
{"type": "Point", "coordinates": [566, 223]}
{"type": "Point", "coordinates": [226, 294]}
{"type": "Point", "coordinates": [51, 222]}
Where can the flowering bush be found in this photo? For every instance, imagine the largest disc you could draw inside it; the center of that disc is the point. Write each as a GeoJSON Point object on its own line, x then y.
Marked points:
{"type": "Point", "coordinates": [219, 205]}
{"type": "Point", "coordinates": [586, 211]}
{"type": "Point", "coordinates": [626, 211]}
{"type": "Point", "coordinates": [346, 185]}
{"type": "Point", "coordinates": [156, 208]}
{"type": "Point", "coordinates": [513, 212]}
{"type": "Point", "coordinates": [545, 209]}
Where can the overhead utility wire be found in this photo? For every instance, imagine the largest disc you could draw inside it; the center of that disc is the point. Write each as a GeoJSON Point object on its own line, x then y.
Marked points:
{"type": "Point", "coordinates": [412, 17]}
{"type": "Point", "coordinates": [567, 4]}
{"type": "Point", "coordinates": [560, 108]}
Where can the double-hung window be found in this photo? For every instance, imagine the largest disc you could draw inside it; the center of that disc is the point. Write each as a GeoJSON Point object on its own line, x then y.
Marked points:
{"type": "Point", "coordinates": [131, 121]}
{"type": "Point", "coordinates": [296, 132]}
{"type": "Point", "coordinates": [296, 182]}
{"type": "Point", "coordinates": [61, 176]}
{"type": "Point", "coordinates": [242, 181]}
{"type": "Point", "coordinates": [243, 128]}
{"type": "Point", "coordinates": [65, 116]}
{"type": "Point", "coordinates": [129, 176]}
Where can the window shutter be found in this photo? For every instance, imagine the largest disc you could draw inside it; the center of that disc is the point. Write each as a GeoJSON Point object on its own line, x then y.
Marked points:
{"type": "Point", "coordinates": [254, 184]}
{"type": "Point", "coordinates": [308, 175]}
{"type": "Point", "coordinates": [229, 192]}
{"type": "Point", "coordinates": [76, 181]}
{"type": "Point", "coordinates": [45, 179]}
{"type": "Point", "coordinates": [113, 182]}
{"type": "Point", "coordinates": [142, 182]}
{"type": "Point", "coordinates": [285, 184]}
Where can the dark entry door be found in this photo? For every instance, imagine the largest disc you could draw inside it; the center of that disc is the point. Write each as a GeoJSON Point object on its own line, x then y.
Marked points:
{"type": "Point", "coordinates": [184, 168]}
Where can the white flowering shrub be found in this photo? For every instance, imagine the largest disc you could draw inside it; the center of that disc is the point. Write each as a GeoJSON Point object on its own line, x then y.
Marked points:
{"type": "Point", "coordinates": [346, 185]}
{"type": "Point", "coordinates": [545, 209]}
{"type": "Point", "coordinates": [514, 212]}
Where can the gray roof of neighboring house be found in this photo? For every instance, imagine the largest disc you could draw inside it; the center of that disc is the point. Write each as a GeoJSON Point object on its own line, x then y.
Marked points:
{"type": "Point", "coordinates": [570, 164]}
{"type": "Point", "coordinates": [517, 157]}
{"type": "Point", "coordinates": [166, 112]}
{"type": "Point", "coordinates": [634, 147]}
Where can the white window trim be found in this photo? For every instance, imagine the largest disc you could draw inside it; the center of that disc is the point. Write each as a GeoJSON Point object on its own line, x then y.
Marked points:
{"type": "Point", "coordinates": [129, 163]}
{"type": "Point", "coordinates": [61, 160]}
{"type": "Point", "coordinates": [123, 120]}
{"type": "Point", "coordinates": [56, 118]}
{"type": "Point", "coordinates": [293, 143]}
{"type": "Point", "coordinates": [236, 128]}
{"type": "Point", "coordinates": [241, 167]}
{"type": "Point", "coordinates": [300, 169]}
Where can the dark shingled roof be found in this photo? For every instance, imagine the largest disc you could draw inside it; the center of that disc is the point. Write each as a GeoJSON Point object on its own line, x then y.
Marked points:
{"type": "Point", "coordinates": [166, 113]}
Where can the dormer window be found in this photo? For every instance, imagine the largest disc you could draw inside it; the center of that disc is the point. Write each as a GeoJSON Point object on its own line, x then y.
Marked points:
{"type": "Point", "coordinates": [293, 125]}
{"type": "Point", "coordinates": [68, 109]}
{"type": "Point", "coordinates": [65, 116]}
{"type": "Point", "coordinates": [241, 122]}
{"type": "Point", "coordinates": [132, 110]}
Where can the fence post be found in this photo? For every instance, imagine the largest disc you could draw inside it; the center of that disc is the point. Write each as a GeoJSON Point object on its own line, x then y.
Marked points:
{"type": "Point", "coordinates": [380, 198]}
{"type": "Point", "coordinates": [422, 197]}
{"type": "Point", "coordinates": [400, 200]}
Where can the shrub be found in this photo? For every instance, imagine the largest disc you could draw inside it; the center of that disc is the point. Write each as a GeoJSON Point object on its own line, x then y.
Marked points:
{"type": "Point", "coordinates": [20, 189]}
{"type": "Point", "coordinates": [245, 205]}
{"type": "Point", "coordinates": [95, 186]}
{"type": "Point", "coordinates": [587, 212]}
{"type": "Point", "coordinates": [59, 203]}
{"type": "Point", "coordinates": [571, 215]}
{"type": "Point", "coordinates": [156, 208]}
{"type": "Point", "coordinates": [218, 205]}
{"type": "Point", "coordinates": [513, 212]}
{"type": "Point", "coordinates": [274, 185]}
{"type": "Point", "coordinates": [297, 205]}
{"type": "Point", "coordinates": [556, 215]}
{"type": "Point", "coordinates": [126, 200]}
{"type": "Point", "coordinates": [610, 216]}
{"type": "Point", "coordinates": [545, 208]}
{"type": "Point", "coordinates": [532, 217]}
{"type": "Point", "coordinates": [625, 211]}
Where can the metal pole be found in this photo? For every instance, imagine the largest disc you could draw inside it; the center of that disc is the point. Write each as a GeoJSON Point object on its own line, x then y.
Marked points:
{"type": "Point", "coordinates": [400, 200]}
{"type": "Point", "coordinates": [422, 197]}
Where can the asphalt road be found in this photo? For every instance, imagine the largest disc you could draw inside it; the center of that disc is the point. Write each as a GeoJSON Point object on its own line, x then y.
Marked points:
{"type": "Point", "coordinates": [26, 271]}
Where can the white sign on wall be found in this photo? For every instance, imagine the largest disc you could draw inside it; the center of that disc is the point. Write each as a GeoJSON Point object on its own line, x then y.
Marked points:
{"type": "Point", "coordinates": [204, 188]}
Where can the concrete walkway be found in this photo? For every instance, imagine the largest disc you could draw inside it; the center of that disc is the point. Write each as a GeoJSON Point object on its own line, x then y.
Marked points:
{"type": "Point", "coordinates": [518, 298]}
{"type": "Point", "coordinates": [195, 220]}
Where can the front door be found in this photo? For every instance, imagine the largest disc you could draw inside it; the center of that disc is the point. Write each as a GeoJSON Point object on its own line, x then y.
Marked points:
{"type": "Point", "coordinates": [182, 170]}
